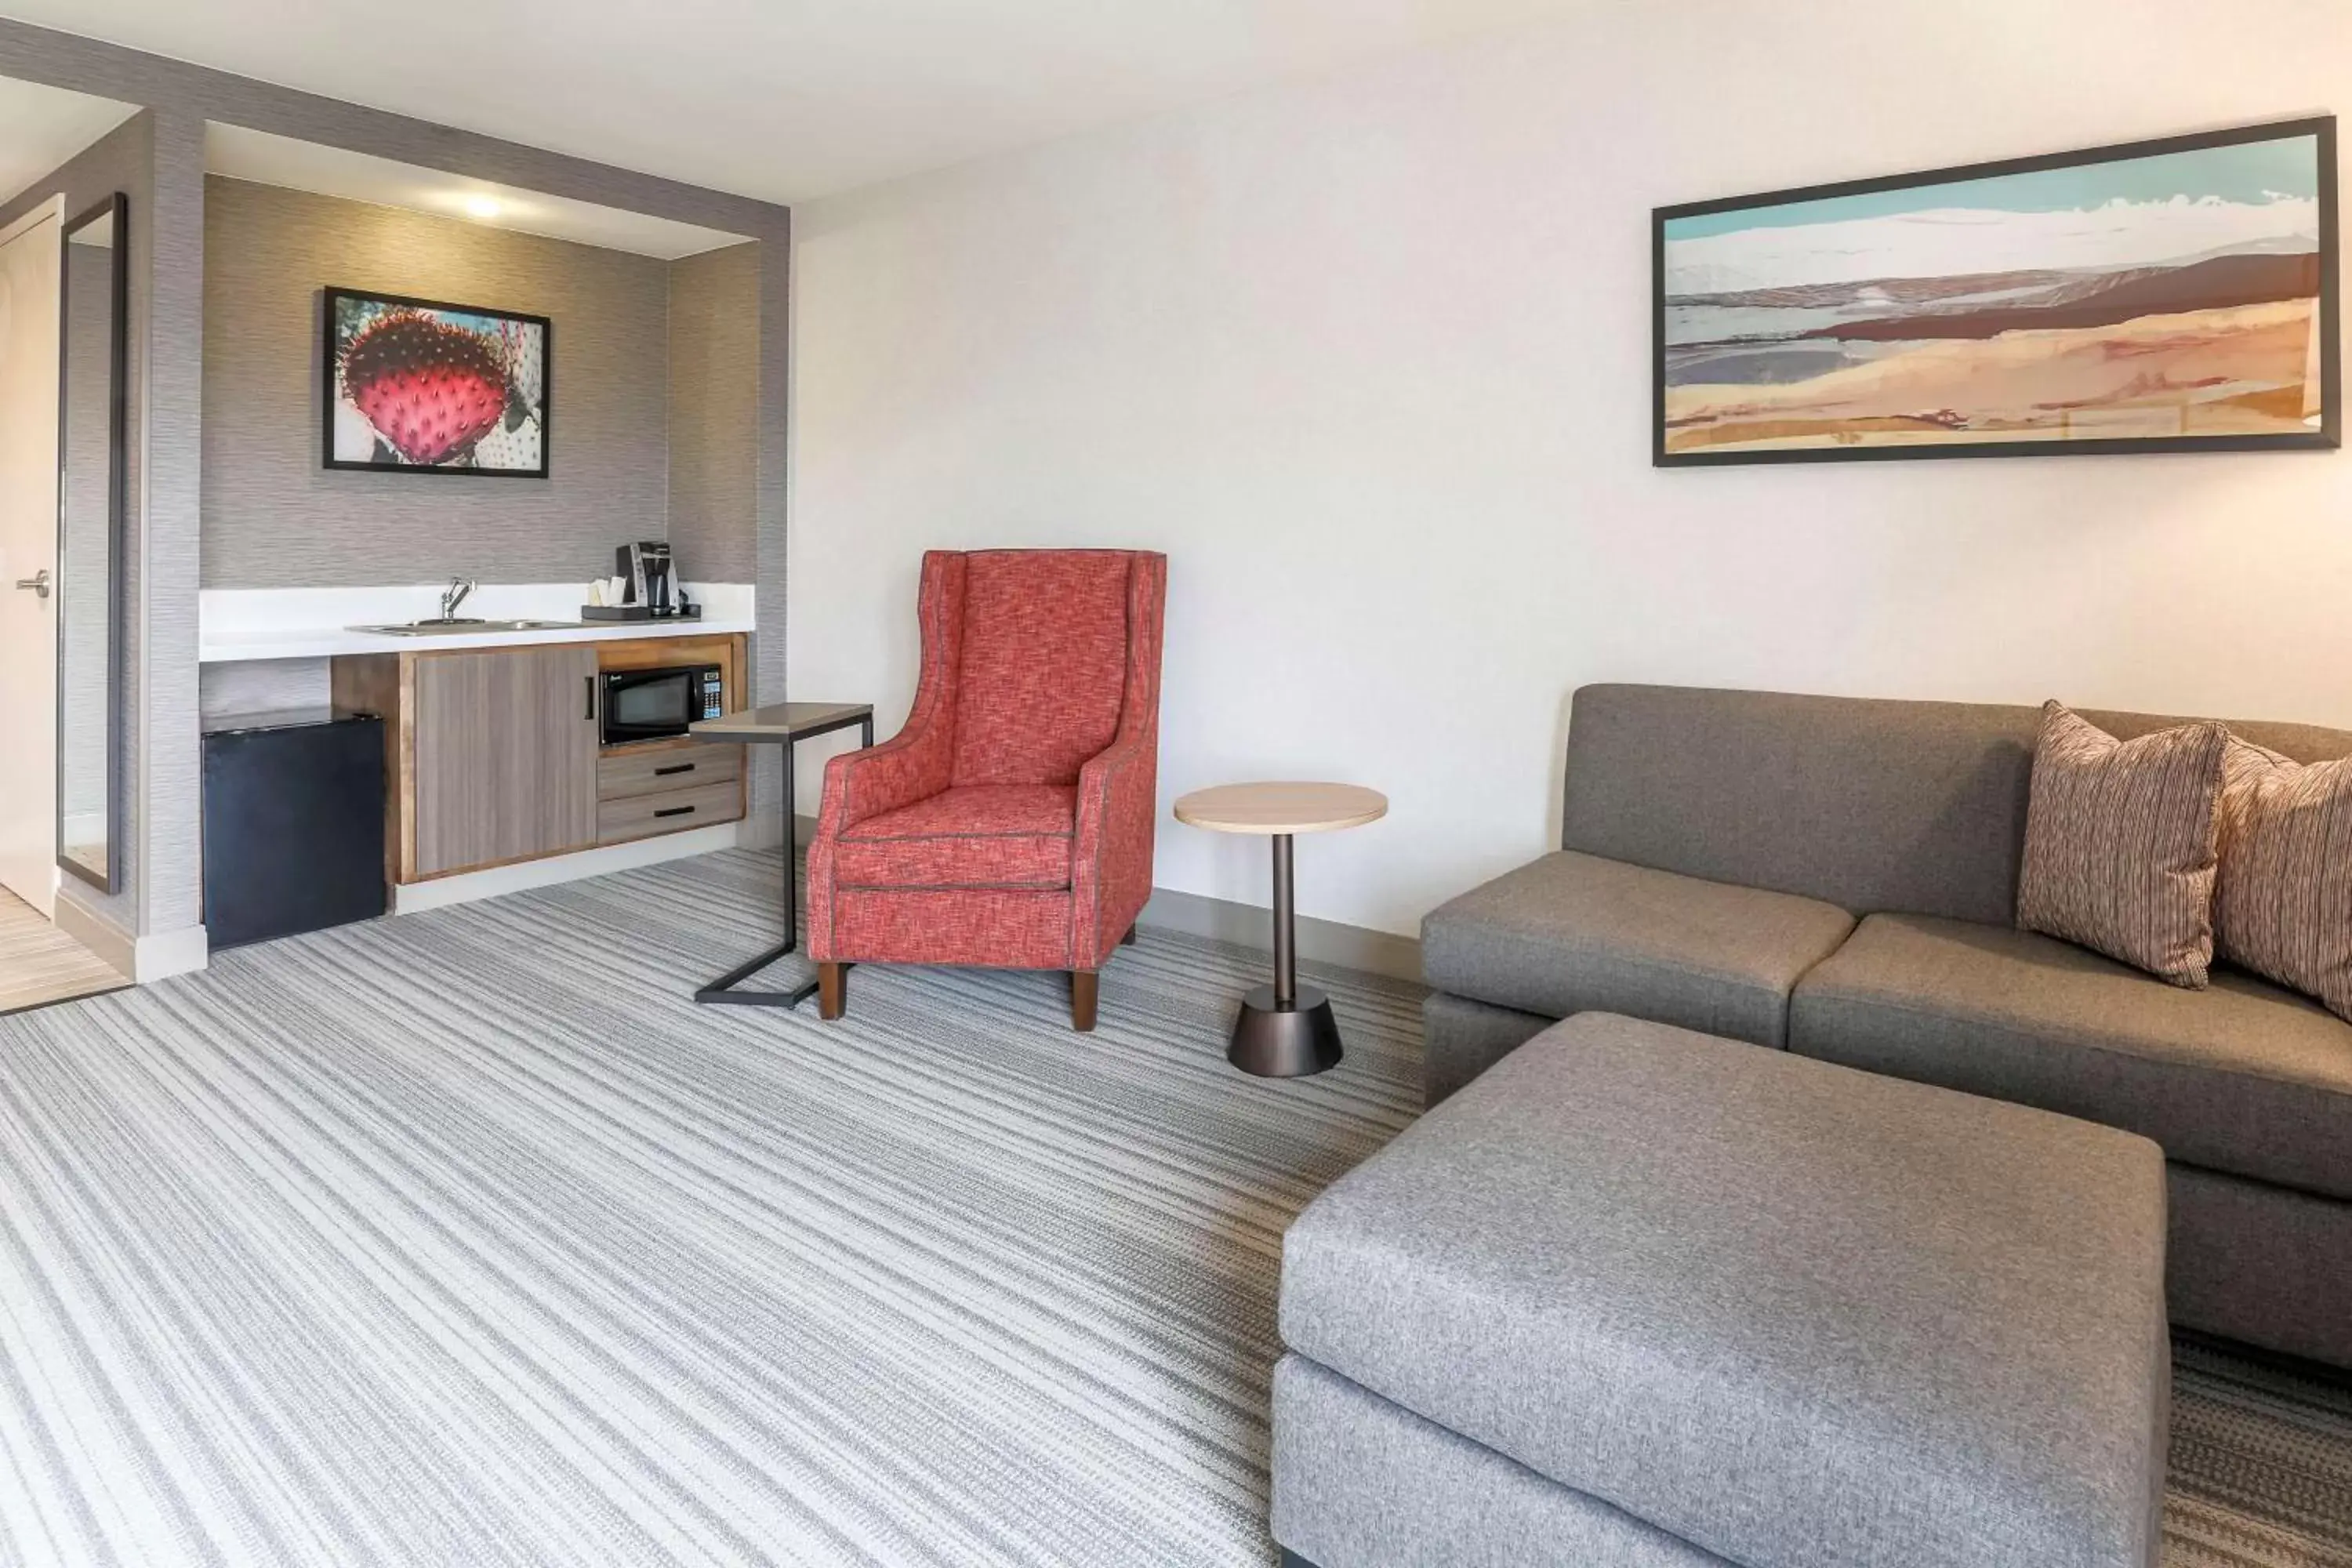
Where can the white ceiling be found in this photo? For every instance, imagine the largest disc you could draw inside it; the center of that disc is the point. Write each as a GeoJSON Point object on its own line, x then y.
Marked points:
{"type": "Point", "coordinates": [783, 99]}
{"type": "Point", "coordinates": [41, 127]}
{"type": "Point", "coordinates": [245, 154]}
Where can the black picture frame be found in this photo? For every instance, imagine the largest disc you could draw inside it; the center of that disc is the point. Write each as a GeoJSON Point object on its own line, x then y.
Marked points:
{"type": "Point", "coordinates": [115, 207]}
{"type": "Point", "coordinates": [332, 296]}
{"type": "Point", "coordinates": [2327, 438]}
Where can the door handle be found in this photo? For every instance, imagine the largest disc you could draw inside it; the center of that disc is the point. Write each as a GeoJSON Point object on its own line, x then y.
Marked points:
{"type": "Point", "coordinates": [38, 583]}
{"type": "Point", "coordinates": [591, 714]}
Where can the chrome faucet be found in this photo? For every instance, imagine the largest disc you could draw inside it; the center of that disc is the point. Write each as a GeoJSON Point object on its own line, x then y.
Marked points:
{"type": "Point", "coordinates": [453, 595]}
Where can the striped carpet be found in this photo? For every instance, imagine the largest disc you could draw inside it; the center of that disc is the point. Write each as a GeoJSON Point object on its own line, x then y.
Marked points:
{"type": "Point", "coordinates": [464, 1239]}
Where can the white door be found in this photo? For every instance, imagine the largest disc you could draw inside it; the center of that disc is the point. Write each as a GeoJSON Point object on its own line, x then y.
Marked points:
{"type": "Point", "coordinates": [29, 266]}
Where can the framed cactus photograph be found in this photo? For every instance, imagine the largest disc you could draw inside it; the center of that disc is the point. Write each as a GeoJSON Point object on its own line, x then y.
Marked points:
{"type": "Point", "coordinates": [427, 388]}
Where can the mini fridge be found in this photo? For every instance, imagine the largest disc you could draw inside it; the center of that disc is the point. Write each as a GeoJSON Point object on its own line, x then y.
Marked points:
{"type": "Point", "coordinates": [293, 824]}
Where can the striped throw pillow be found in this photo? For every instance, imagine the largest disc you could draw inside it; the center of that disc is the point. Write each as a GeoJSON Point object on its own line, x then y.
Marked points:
{"type": "Point", "coordinates": [2283, 903]}
{"type": "Point", "coordinates": [2120, 843]}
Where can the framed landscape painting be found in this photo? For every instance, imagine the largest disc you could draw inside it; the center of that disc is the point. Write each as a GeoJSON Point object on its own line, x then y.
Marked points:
{"type": "Point", "coordinates": [2174, 295]}
{"type": "Point", "coordinates": [419, 386]}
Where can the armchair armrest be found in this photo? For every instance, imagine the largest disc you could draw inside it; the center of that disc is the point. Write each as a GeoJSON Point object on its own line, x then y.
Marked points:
{"type": "Point", "coordinates": [911, 765]}
{"type": "Point", "coordinates": [918, 761]}
{"type": "Point", "coordinates": [1111, 856]}
{"type": "Point", "coordinates": [1119, 788]}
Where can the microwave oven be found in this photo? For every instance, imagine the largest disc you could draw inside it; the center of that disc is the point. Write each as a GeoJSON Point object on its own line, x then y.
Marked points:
{"type": "Point", "coordinates": [659, 704]}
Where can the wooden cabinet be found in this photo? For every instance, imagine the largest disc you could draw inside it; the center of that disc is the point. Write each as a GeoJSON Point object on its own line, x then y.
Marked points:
{"type": "Point", "coordinates": [505, 744]}
{"type": "Point", "coordinates": [492, 755]}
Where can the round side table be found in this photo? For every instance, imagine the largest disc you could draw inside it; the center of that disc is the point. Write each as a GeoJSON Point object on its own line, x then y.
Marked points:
{"type": "Point", "coordinates": [1284, 1031]}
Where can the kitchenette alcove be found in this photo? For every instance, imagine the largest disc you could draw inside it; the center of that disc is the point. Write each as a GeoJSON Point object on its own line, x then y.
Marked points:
{"type": "Point", "coordinates": [626, 350]}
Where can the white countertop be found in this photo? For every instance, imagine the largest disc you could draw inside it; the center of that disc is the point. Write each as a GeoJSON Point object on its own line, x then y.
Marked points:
{"type": "Point", "coordinates": [240, 624]}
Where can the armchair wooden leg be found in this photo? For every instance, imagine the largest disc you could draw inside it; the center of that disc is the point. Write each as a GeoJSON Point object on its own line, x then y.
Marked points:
{"type": "Point", "coordinates": [831, 990]}
{"type": "Point", "coordinates": [1128, 939]}
{"type": "Point", "coordinates": [1084, 986]}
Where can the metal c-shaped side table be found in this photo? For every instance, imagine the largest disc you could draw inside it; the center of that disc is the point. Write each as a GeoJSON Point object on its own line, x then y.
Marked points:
{"type": "Point", "coordinates": [780, 725]}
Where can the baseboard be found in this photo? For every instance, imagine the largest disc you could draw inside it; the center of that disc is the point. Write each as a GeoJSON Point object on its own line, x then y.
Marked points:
{"type": "Point", "coordinates": [163, 953]}
{"type": "Point", "coordinates": [413, 898]}
{"type": "Point", "coordinates": [766, 832]}
{"type": "Point", "coordinates": [158, 955]}
{"type": "Point", "coordinates": [1249, 925]}
{"type": "Point", "coordinates": [1320, 941]}
{"type": "Point", "coordinates": [115, 948]}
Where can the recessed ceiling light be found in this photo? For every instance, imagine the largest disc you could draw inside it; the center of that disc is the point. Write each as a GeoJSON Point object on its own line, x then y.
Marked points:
{"type": "Point", "coordinates": [482, 206]}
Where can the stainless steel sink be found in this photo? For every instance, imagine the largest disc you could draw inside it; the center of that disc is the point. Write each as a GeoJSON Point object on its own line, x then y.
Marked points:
{"type": "Point", "coordinates": [456, 624]}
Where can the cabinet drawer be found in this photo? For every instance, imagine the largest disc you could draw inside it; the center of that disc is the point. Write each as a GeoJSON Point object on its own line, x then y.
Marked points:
{"type": "Point", "coordinates": [622, 773]}
{"type": "Point", "coordinates": [643, 815]}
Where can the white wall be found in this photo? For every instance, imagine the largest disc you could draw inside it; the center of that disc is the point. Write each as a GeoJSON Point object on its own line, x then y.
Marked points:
{"type": "Point", "coordinates": [1369, 359]}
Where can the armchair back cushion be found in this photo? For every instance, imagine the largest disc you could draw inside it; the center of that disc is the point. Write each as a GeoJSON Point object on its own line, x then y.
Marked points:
{"type": "Point", "coordinates": [1045, 663]}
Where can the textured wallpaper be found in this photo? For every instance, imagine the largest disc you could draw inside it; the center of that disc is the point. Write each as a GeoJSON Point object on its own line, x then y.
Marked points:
{"type": "Point", "coordinates": [714, 412]}
{"type": "Point", "coordinates": [274, 518]}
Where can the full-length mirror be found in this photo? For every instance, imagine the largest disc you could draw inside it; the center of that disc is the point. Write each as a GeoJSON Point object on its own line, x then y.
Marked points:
{"type": "Point", "coordinates": [89, 545]}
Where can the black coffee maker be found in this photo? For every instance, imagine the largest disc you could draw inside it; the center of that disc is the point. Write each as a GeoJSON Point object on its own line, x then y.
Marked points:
{"type": "Point", "coordinates": [645, 571]}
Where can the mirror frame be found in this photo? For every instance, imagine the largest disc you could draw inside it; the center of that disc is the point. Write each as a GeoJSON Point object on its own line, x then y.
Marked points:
{"type": "Point", "coordinates": [118, 208]}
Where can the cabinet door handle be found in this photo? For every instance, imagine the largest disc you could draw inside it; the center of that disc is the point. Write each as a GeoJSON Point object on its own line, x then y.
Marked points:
{"type": "Point", "coordinates": [675, 811]}
{"type": "Point", "coordinates": [592, 698]}
{"type": "Point", "coordinates": [673, 768]}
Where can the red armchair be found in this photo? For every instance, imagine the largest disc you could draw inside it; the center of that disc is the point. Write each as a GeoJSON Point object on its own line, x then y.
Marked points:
{"type": "Point", "coordinates": [1010, 823]}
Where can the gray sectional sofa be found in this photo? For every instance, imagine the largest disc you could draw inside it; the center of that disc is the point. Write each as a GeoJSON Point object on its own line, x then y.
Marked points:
{"type": "Point", "coordinates": [1837, 877]}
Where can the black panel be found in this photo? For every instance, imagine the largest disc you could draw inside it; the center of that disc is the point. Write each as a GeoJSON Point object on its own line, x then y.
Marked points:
{"type": "Point", "coordinates": [293, 829]}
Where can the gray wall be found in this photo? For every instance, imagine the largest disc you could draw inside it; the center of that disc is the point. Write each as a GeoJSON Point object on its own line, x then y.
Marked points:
{"type": "Point", "coordinates": [123, 160]}
{"type": "Point", "coordinates": [263, 686]}
{"type": "Point", "coordinates": [714, 413]}
{"type": "Point", "coordinates": [169, 263]}
{"type": "Point", "coordinates": [274, 518]}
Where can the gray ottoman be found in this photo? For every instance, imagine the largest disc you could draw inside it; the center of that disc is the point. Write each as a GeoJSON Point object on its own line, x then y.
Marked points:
{"type": "Point", "coordinates": [1643, 1296]}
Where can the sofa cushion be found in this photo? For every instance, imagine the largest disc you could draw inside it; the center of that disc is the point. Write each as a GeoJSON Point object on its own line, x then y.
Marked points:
{"type": "Point", "coordinates": [1865, 803]}
{"type": "Point", "coordinates": [2282, 901]}
{"type": "Point", "coordinates": [2119, 843]}
{"type": "Point", "coordinates": [975, 835]}
{"type": "Point", "coordinates": [2243, 1077]}
{"type": "Point", "coordinates": [1793, 1314]}
{"type": "Point", "coordinates": [1573, 933]}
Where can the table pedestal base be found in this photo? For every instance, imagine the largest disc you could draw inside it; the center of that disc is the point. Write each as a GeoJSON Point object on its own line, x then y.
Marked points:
{"type": "Point", "coordinates": [1273, 1039]}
